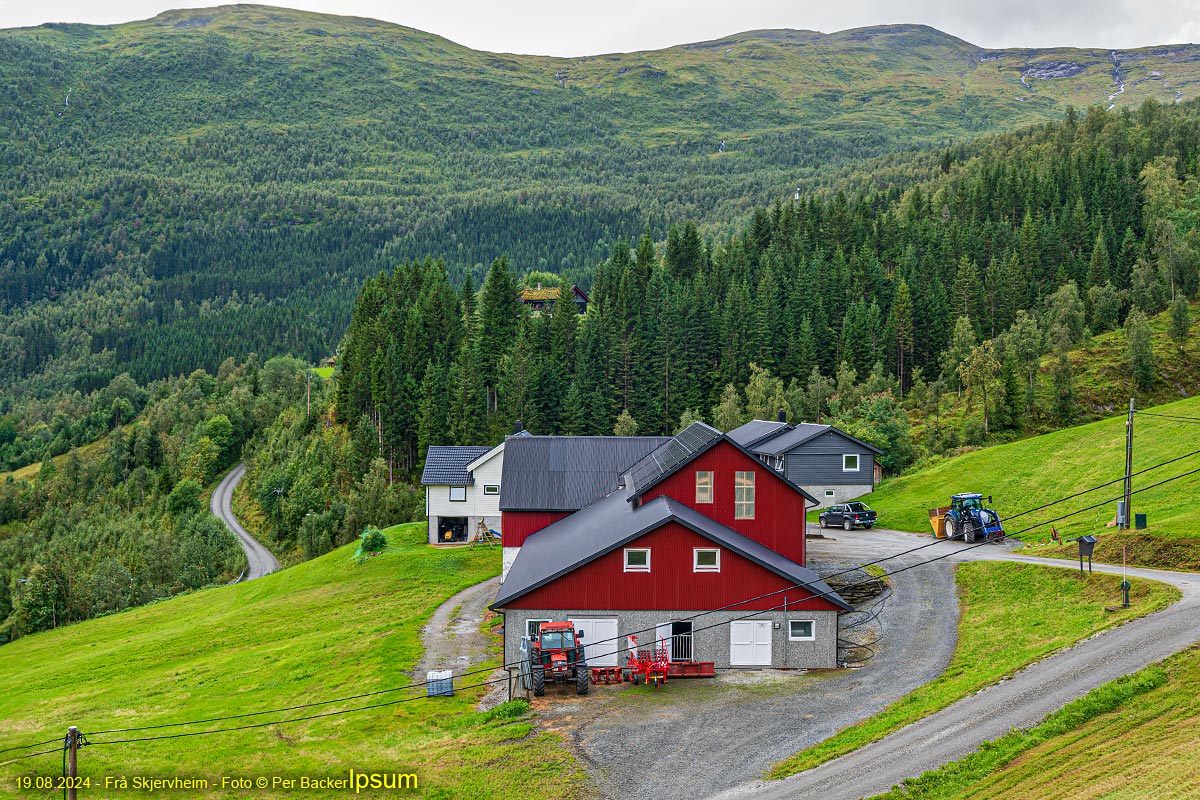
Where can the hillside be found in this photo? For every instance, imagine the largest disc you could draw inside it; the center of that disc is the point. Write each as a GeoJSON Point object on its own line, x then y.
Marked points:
{"type": "Point", "coordinates": [324, 629]}
{"type": "Point", "coordinates": [1031, 472]}
{"type": "Point", "coordinates": [214, 182]}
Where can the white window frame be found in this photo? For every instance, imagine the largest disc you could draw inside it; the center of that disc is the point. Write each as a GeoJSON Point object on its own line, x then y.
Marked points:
{"type": "Point", "coordinates": [812, 637]}
{"type": "Point", "coordinates": [696, 565]}
{"type": "Point", "coordinates": [492, 489]}
{"type": "Point", "coordinates": [830, 493]}
{"type": "Point", "coordinates": [637, 567]}
{"type": "Point", "coordinates": [708, 488]}
{"type": "Point", "coordinates": [857, 462]}
{"type": "Point", "coordinates": [528, 622]}
{"type": "Point", "coordinates": [454, 489]}
{"type": "Point", "coordinates": [740, 501]}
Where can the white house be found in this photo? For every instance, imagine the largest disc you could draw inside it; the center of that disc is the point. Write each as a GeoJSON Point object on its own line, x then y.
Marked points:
{"type": "Point", "coordinates": [462, 488]}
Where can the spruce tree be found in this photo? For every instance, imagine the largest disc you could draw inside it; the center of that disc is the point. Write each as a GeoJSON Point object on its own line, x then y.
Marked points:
{"type": "Point", "coordinates": [1141, 354]}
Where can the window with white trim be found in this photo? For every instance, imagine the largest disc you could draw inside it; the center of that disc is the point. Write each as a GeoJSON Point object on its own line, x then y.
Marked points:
{"type": "Point", "coordinates": [458, 494]}
{"type": "Point", "coordinates": [743, 495]}
{"type": "Point", "coordinates": [533, 627]}
{"type": "Point", "coordinates": [850, 462]}
{"type": "Point", "coordinates": [801, 630]}
{"type": "Point", "coordinates": [704, 487]}
{"type": "Point", "coordinates": [706, 559]}
{"type": "Point", "coordinates": [637, 559]}
{"type": "Point", "coordinates": [491, 488]}
{"type": "Point", "coordinates": [829, 493]}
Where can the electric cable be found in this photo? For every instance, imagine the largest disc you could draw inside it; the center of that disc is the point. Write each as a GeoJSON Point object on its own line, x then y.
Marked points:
{"type": "Point", "coordinates": [1167, 416]}
{"type": "Point", "coordinates": [34, 744]}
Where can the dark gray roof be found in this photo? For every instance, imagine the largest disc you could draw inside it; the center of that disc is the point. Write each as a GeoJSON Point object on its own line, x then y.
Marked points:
{"type": "Point", "coordinates": [789, 437]}
{"type": "Point", "coordinates": [447, 466]}
{"type": "Point", "coordinates": [611, 522]}
{"type": "Point", "coordinates": [566, 473]}
{"type": "Point", "coordinates": [672, 454]}
{"type": "Point", "coordinates": [754, 430]}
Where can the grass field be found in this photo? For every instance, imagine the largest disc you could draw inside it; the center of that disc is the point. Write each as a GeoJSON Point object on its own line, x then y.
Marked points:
{"type": "Point", "coordinates": [1028, 473]}
{"type": "Point", "coordinates": [1141, 735]}
{"type": "Point", "coordinates": [1010, 615]}
{"type": "Point", "coordinates": [327, 628]}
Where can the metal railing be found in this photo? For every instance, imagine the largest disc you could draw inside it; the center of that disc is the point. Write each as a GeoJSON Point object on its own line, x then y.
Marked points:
{"type": "Point", "coordinates": [681, 647]}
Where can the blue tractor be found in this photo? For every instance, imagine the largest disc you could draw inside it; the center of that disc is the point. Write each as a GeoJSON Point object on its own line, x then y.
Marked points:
{"type": "Point", "coordinates": [968, 520]}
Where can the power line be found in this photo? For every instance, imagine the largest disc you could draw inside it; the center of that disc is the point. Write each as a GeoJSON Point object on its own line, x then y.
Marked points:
{"type": "Point", "coordinates": [1168, 416]}
{"type": "Point", "coordinates": [34, 744]}
{"type": "Point", "coordinates": [804, 585]}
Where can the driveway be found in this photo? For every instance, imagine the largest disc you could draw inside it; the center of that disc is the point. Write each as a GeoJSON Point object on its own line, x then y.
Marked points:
{"type": "Point", "coordinates": [1020, 702]}
{"type": "Point", "coordinates": [259, 560]}
{"type": "Point", "coordinates": [697, 737]}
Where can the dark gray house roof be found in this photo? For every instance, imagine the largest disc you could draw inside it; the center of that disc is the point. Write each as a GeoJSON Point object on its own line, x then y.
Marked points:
{"type": "Point", "coordinates": [788, 437]}
{"type": "Point", "coordinates": [754, 430]}
{"type": "Point", "coordinates": [671, 455]}
{"type": "Point", "coordinates": [611, 522]}
{"type": "Point", "coordinates": [566, 473]}
{"type": "Point", "coordinates": [447, 466]}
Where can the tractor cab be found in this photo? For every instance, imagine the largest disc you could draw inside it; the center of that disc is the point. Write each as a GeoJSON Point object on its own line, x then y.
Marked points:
{"type": "Point", "coordinates": [965, 502]}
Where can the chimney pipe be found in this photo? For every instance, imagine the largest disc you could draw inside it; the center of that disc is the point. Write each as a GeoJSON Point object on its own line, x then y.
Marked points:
{"type": "Point", "coordinates": [518, 426]}
{"type": "Point", "coordinates": [782, 415]}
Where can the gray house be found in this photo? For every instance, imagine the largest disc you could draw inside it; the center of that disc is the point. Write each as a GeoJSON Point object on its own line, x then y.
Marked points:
{"type": "Point", "coordinates": [828, 463]}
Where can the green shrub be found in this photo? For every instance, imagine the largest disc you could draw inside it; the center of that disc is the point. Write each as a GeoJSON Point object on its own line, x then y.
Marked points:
{"type": "Point", "coordinates": [373, 540]}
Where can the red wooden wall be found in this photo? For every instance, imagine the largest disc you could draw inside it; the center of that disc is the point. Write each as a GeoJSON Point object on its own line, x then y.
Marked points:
{"type": "Point", "coordinates": [671, 585]}
{"type": "Point", "coordinates": [778, 508]}
{"type": "Point", "coordinates": [516, 526]}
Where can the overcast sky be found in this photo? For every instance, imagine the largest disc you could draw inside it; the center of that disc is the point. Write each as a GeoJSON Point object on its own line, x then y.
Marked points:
{"type": "Point", "coordinates": [585, 27]}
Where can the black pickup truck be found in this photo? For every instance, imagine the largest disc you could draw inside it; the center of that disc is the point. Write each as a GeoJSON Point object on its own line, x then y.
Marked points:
{"type": "Point", "coordinates": [847, 515]}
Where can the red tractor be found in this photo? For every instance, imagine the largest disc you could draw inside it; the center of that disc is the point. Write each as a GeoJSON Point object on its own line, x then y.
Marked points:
{"type": "Point", "coordinates": [556, 655]}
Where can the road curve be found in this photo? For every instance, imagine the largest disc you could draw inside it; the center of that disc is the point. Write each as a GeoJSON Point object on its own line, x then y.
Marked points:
{"type": "Point", "coordinates": [259, 560]}
{"type": "Point", "coordinates": [1019, 702]}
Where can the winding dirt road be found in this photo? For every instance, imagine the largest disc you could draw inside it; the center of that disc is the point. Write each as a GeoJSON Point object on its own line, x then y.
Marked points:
{"type": "Point", "coordinates": [259, 560]}
{"type": "Point", "coordinates": [1019, 702]}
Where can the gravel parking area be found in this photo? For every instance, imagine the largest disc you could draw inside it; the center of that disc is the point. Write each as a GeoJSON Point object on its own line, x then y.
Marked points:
{"type": "Point", "coordinates": [694, 738]}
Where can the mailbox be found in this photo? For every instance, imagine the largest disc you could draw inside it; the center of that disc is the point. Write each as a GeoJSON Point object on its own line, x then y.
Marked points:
{"type": "Point", "coordinates": [1086, 545]}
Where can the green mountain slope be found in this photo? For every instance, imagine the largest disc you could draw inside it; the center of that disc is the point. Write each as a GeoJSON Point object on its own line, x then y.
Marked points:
{"type": "Point", "coordinates": [1031, 472]}
{"type": "Point", "coordinates": [324, 629]}
{"type": "Point", "coordinates": [241, 169]}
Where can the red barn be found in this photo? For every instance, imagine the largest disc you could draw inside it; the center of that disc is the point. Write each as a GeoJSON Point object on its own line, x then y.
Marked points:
{"type": "Point", "coordinates": [694, 541]}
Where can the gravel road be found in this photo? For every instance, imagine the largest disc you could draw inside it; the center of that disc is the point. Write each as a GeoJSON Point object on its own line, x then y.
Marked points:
{"type": "Point", "coordinates": [1020, 702]}
{"type": "Point", "coordinates": [259, 560]}
{"type": "Point", "coordinates": [701, 736]}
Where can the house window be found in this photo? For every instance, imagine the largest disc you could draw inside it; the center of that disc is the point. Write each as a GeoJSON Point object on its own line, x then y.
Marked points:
{"type": "Point", "coordinates": [779, 464]}
{"type": "Point", "coordinates": [458, 494]}
{"type": "Point", "coordinates": [704, 487]}
{"type": "Point", "coordinates": [850, 462]}
{"type": "Point", "coordinates": [706, 559]}
{"type": "Point", "coordinates": [801, 630]}
{"type": "Point", "coordinates": [637, 559]}
{"type": "Point", "coordinates": [743, 495]}
{"type": "Point", "coordinates": [491, 488]}
{"type": "Point", "coordinates": [829, 493]}
{"type": "Point", "coordinates": [533, 627]}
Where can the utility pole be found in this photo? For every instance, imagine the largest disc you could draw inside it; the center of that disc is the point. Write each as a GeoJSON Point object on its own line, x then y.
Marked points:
{"type": "Point", "coordinates": [72, 757]}
{"type": "Point", "coordinates": [1128, 468]}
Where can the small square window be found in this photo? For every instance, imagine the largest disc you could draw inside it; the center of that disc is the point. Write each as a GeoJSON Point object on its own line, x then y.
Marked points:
{"type": "Point", "coordinates": [533, 627]}
{"type": "Point", "coordinates": [850, 462]}
{"type": "Point", "coordinates": [829, 493]}
{"type": "Point", "coordinates": [491, 488]}
{"type": "Point", "coordinates": [801, 630]}
{"type": "Point", "coordinates": [637, 560]}
{"type": "Point", "coordinates": [458, 494]}
{"type": "Point", "coordinates": [706, 559]}
{"type": "Point", "coordinates": [704, 487]}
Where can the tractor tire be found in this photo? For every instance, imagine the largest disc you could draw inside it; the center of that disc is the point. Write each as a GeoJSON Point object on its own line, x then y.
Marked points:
{"type": "Point", "coordinates": [637, 679]}
{"type": "Point", "coordinates": [957, 527]}
{"type": "Point", "coordinates": [969, 536]}
{"type": "Point", "coordinates": [847, 525]}
{"type": "Point", "coordinates": [538, 679]}
{"type": "Point", "coordinates": [583, 678]}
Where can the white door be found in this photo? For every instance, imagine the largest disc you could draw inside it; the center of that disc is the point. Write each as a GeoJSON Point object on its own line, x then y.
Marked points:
{"type": "Point", "coordinates": [662, 635]}
{"type": "Point", "coordinates": [600, 643]}
{"type": "Point", "coordinates": [750, 643]}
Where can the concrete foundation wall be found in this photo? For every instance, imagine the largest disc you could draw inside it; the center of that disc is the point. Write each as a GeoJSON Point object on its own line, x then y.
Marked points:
{"type": "Point", "coordinates": [710, 644]}
{"type": "Point", "coordinates": [841, 494]}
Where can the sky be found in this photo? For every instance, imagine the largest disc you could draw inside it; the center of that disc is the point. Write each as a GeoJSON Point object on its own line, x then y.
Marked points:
{"type": "Point", "coordinates": [589, 27]}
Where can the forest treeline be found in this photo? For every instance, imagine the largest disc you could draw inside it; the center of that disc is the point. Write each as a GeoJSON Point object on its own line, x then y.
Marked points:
{"type": "Point", "coordinates": [958, 284]}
